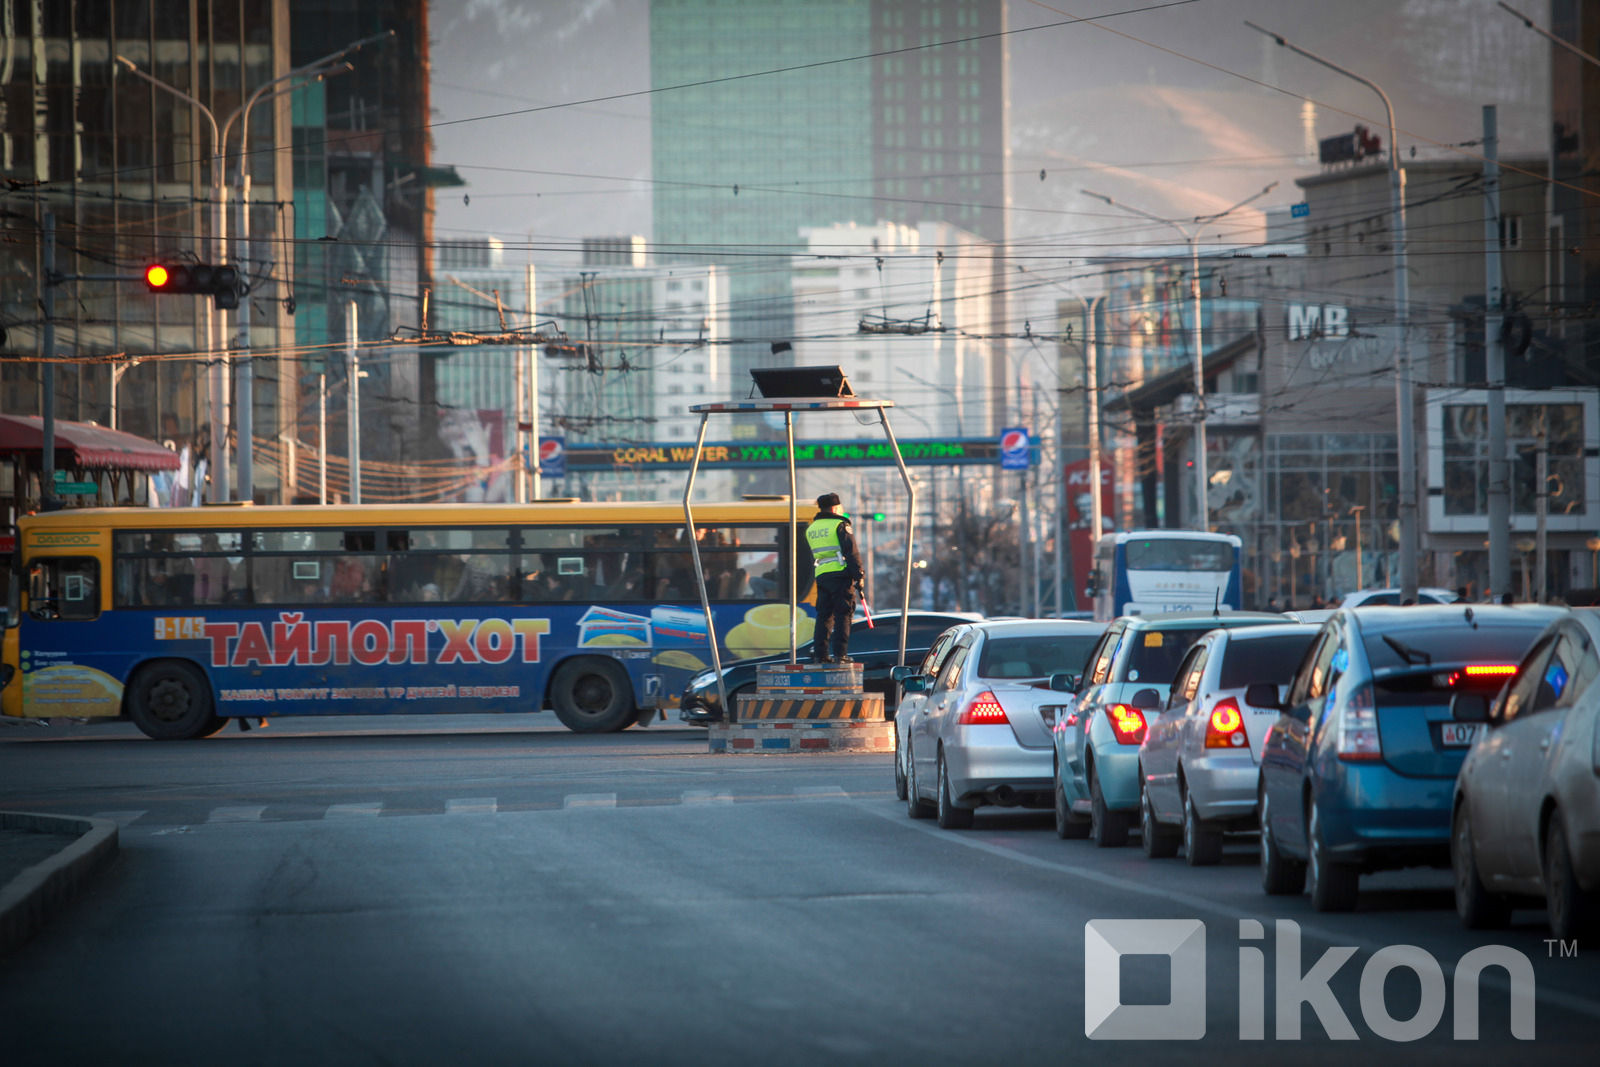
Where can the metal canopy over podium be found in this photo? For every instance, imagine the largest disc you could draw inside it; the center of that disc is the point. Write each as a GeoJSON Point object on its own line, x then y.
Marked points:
{"type": "Point", "coordinates": [783, 391]}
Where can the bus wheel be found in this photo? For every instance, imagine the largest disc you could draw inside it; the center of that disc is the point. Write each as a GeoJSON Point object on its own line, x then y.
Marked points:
{"type": "Point", "coordinates": [172, 702]}
{"type": "Point", "coordinates": [592, 696]}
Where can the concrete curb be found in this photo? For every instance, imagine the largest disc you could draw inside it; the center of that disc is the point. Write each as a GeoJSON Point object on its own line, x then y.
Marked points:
{"type": "Point", "coordinates": [29, 899]}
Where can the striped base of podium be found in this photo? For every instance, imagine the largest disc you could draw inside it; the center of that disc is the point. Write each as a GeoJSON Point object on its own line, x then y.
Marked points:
{"type": "Point", "coordinates": [768, 737]}
{"type": "Point", "coordinates": [858, 706]}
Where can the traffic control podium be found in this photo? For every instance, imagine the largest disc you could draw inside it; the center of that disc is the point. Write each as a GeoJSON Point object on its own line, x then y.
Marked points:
{"type": "Point", "coordinates": [800, 707]}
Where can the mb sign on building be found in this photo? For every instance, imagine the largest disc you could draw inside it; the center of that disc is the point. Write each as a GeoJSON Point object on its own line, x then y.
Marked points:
{"type": "Point", "coordinates": [1309, 322]}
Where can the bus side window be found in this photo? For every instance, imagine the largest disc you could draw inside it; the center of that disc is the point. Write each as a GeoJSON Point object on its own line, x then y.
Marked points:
{"type": "Point", "coordinates": [64, 589]}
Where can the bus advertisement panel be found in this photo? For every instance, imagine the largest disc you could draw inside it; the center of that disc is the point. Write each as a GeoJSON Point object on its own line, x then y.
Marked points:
{"type": "Point", "coordinates": [179, 620]}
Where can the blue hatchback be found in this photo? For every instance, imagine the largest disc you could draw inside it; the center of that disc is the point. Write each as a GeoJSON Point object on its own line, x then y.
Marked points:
{"type": "Point", "coordinates": [1357, 774]}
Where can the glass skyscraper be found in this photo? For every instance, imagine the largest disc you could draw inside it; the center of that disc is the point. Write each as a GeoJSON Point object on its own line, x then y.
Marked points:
{"type": "Point", "coordinates": [771, 116]}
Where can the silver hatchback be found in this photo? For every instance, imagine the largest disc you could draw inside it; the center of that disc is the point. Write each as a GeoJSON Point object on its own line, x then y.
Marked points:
{"type": "Point", "coordinates": [1197, 765]}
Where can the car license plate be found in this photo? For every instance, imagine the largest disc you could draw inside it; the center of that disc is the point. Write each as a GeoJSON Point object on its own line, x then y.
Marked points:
{"type": "Point", "coordinates": [1051, 712]}
{"type": "Point", "coordinates": [1457, 734]}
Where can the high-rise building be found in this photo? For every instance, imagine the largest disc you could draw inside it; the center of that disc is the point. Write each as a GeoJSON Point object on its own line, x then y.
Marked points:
{"type": "Point", "coordinates": [126, 169]}
{"type": "Point", "coordinates": [363, 215]}
{"type": "Point", "coordinates": [771, 116]}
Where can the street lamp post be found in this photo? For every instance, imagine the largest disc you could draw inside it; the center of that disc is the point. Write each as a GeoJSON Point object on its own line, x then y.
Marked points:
{"type": "Point", "coordinates": [1404, 415]}
{"type": "Point", "coordinates": [216, 335]}
{"type": "Point", "coordinates": [301, 76]}
{"type": "Point", "coordinates": [1197, 333]}
{"type": "Point", "coordinates": [216, 371]}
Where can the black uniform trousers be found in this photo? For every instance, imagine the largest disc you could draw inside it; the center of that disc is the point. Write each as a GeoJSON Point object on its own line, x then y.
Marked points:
{"type": "Point", "coordinates": [836, 604]}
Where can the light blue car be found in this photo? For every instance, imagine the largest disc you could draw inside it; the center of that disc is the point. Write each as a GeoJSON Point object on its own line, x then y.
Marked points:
{"type": "Point", "coordinates": [1097, 736]}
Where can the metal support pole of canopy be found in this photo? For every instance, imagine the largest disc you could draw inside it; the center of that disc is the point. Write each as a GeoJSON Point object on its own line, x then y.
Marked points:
{"type": "Point", "coordinates": [789, 407]}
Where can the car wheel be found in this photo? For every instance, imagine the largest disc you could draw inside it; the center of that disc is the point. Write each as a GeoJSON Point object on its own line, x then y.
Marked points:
{"type": "Point", "coordinates": [1160, 842]}
{"type": "Point", "coordinates": [1280, 875]}
{"type": "Point", "coordinates": [1478, 908]}
{"type": "Point", "coordinates": [1202, 847]}
{"type": "Point", "coordinates": [1572, 911]}
{"type": "Point", "coordinates": [171, 701]}
{"type": "Point", "coordinates": [1068, 825]}
{"type": "Point", "coordinates": [950, 816]}
{"type": "Point", "coordinates": [1107, 829]}
{"type": "Point", "coordinates": [899, 774]}
{"type": "Point", "coordinates": [1334, 886]}
{"type": "Point", "coordinates": [916, 807]}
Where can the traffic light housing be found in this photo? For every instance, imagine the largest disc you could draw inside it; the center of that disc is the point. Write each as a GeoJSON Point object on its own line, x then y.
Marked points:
{"type": "Point", "coordinates": [877, 516]}
{"type": "Point", "coordinates": [221, 283]}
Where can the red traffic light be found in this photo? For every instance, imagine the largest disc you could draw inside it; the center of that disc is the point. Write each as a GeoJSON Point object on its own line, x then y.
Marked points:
{"type": "Point", "coordinates": [156, 276]}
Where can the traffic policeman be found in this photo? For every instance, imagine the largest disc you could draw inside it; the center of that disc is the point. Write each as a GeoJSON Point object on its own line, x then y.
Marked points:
{"type": "Point", "coordinates": [837, 569]}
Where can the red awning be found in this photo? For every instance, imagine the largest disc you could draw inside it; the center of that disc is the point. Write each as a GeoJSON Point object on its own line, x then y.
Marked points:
{"type": "Point", "coordinates": [86, 446]}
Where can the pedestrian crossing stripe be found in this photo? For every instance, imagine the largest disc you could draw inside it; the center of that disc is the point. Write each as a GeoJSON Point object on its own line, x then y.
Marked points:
{"type": "Point", "coordinates": [855, 707]}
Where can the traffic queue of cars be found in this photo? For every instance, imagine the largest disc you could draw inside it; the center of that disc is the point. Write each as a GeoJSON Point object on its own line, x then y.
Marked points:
{"type": "Point", "coordinates": [1459, 735]}
{"type": "Point", "coordinates": [1373, 738]}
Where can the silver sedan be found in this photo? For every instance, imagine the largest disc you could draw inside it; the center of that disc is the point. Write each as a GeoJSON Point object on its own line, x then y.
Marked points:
{"type": "Point", "coordinates": [1525, 824]}
{"type": "Point", "coordinates": [980, 736]}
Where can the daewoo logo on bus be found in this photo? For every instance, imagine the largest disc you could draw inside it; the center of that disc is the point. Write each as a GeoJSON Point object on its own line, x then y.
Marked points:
{"type": "Point", "coordinates": [292, 640]}
{"type": "Point", "coordinates": [43, 539]}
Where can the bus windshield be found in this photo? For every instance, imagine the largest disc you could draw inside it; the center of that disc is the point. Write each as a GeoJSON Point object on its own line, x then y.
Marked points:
{"type": "Point", "coordinates": [1178, 554]}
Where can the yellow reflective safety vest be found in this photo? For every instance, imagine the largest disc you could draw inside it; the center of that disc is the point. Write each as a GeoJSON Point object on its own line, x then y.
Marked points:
{"type": "Point", "coordinates": [827, 555]}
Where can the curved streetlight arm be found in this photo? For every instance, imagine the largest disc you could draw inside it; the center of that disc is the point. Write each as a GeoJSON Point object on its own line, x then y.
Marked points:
{"type": "Point", "coordinates": [240, 176]}
{"type": "Point", "coordinates": [132, 68]}
{"type": "Point", "coordinates": [1247, 200]}
{"type": "Point", "coordinates": [1119, 205]}
{"type": "Point", "coordinates": [1394, 149]}
{"type": "Point", "coordinates": [317, 69]}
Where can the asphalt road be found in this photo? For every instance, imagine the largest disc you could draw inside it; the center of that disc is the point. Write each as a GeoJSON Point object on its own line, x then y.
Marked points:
{"type": "Point", "coordinates": [480, 890]}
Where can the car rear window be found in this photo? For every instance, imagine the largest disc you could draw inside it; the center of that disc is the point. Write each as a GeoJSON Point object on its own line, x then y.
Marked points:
{"type": "Point", "coordinates": [1155, 654]}
{"type": "Point", "coordinates": [1035, 656]}
{"type": "Point", "coordinates": [1264, 659]}
{"type": "Point", "coordinates": [1456, 642]}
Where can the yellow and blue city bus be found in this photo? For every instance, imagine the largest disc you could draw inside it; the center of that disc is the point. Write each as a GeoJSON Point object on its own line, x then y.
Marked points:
{"type": "Point", "coordinates": [180, 619]}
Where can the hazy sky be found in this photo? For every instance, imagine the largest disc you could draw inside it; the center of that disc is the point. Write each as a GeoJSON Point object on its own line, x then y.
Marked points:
{"type": "Point", "coordinates": [1173, 121]}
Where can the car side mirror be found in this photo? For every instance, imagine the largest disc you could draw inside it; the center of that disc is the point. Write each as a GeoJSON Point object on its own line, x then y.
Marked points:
{"type": "Point", "coordinates": [900, 674]}
{"type": "Point", "coordinates": [917, 683]}
{"type": "Point", "coordinates": [1469, 707]}
{"type": "Point", "coordinates": [1064, 682]}
{"type": "Point", "coordinates": [1262, 695]}
{"type": "Point", "coordinates": [1145, 698]}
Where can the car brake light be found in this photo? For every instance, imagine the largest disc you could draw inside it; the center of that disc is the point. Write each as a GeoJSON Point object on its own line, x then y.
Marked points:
{"type": "Point", "coordinates": [1127, 724]}
{"type": "Point", "coordinates": [1482, 672]}
{"type": "Point", "coordinates": [984, 710]}
{"type": "Point", "coordinates": [1225, 729]}
{"type": "Point", "coordinates": [1358, 727]}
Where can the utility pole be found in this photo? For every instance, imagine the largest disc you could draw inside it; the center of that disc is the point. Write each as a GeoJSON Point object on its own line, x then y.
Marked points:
{"type": "Point", "coordinates": [1202, 479]}
{"type": "Point", "coordinates": [322, 437]}
{"type": "Point", "coordinates": [1494, 353]}
{"type": "Point", "coordinates": [353, 399]}
{"type": "Point", "coordinates": [47, 373]}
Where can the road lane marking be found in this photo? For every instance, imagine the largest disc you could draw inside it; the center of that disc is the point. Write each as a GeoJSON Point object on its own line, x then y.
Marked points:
{"type": "Point", "coordinates": [345, 811]}
{"type": "Point", "coordinates": [465, 805]}
{"type": "Point", "coordinates": [819, 791]}
{"type": "Point", "coordinates": [706, 796]}
{"type": "Point", "coordinates": [241, 813]}
{"type": "Point", "coordinates": [123, 819]}
{"type": "Point", "coordinates": [1492, 978]}
{"type": "Point", "coordinates": [589, 800]}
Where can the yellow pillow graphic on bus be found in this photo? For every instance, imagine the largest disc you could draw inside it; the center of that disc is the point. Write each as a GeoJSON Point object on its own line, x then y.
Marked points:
{"type": "Point", "coordinates": [765, 631]}
{"type": "Point", "coordinates": [70, 689]}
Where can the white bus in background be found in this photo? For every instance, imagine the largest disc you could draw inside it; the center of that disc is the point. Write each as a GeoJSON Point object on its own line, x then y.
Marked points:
{"type": "Point", "coordinates": [1147, 572]}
